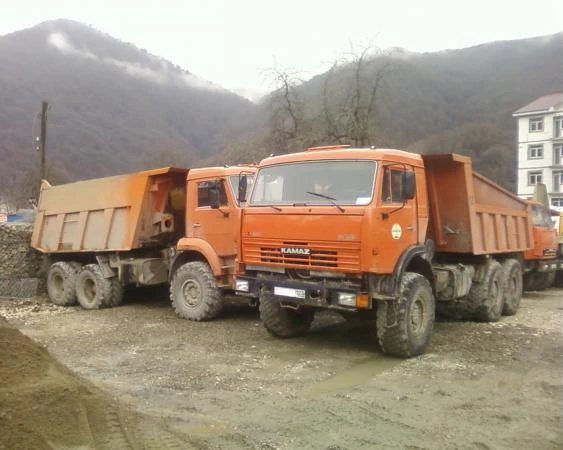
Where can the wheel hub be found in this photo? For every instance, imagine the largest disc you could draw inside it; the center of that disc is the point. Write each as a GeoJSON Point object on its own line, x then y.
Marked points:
{"type": "Point", "coordinates": [57, 285]}
{"type": "Point", "coordinates": [90, 289]}
{"type": "Point", "coordinates": [191, 291]}
{"type": "Point", "coordinates": [417, 317]}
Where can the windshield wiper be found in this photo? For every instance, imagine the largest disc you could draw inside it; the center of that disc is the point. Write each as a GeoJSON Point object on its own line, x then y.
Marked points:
{"type": "Point", "coordinates": [330, 199]}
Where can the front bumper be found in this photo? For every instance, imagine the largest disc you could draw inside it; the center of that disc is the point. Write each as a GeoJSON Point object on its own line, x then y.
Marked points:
{"type": "Point", "coordinates": [550, 265]}
{"type": "Point", "coordinates": [339, 294]}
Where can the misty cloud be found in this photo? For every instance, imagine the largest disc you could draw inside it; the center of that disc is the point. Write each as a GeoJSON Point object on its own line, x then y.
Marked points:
{"type": "Point", "coordinates": [162, 75]}
{"type": "Point", "coordinates": [61, 42]}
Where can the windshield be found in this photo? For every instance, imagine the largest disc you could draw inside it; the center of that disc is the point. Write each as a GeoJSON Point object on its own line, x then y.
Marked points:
{"type": "Point", "coordinates": [540, 217]}
{"type": "Point", "coordinates": [234, 181]}
{"type": "Point", "coordinates": [315, 183]}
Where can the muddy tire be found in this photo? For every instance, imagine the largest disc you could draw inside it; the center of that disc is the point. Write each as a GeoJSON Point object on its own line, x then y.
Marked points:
{"type": "Point", "coordinates": [486, 297]}
{"type": "Point", "coordinates": [61, 283]}
{"type": "Point", "coordinates": [404, 326]}
{"type": "Point", "coordinates": [92, 289]}
{"type": "Point", "coordinates": [529, 281]}
{"type": "Point", "coordinates": [538, 281]}
{"type": "Point", "coordinates": [544, 280]}
{"type": "Point", "coordinates": [194, 292]}
{"type": "Point", "coordinates": [116, 297]}
{"type": "Point", "coordinates": [511, 273]}
{"type": "Point", "coordinates": [283, 322]}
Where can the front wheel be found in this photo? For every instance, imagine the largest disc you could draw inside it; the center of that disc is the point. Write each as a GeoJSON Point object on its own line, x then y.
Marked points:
{"type": "Point", "coordinates": [283, 322]}
{"type": "Point", "coordinates": [545, 280]}
{"type": "Point", "coordinates": [194, 292]}
{"type": "Point", "coordinates": [511, 273]}
{"type": "Point", "coordinates": [404, 325]}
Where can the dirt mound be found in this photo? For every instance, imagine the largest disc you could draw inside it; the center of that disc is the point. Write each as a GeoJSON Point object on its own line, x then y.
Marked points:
{"type": "Point", "coordinates": [43, 405]}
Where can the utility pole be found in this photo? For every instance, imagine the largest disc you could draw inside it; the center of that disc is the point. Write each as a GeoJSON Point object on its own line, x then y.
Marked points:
{"type": "Point", "coordinates": [43, 138]}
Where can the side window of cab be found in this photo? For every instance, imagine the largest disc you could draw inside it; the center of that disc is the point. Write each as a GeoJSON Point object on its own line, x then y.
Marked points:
{"type": "Point", "coordinates": [392, 189]}
{"type": "Point", "coordinates": [208, 190]}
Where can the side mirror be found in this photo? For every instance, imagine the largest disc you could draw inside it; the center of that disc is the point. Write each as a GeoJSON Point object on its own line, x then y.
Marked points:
{"type": "Point", "coordinates": [242, 186]}
{"type": "Point", "coordinates": [408, 185]}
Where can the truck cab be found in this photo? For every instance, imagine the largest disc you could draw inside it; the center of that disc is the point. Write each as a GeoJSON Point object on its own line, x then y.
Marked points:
{"type": "Point", "coordinates": [204, 263]}
{"type": "Point", "coordinates": [540, 261]}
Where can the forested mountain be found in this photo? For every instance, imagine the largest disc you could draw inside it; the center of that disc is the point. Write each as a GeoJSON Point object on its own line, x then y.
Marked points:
{"type": "Point", "coordinates": [113, 107]}
{"type": "Point", "coordinates": [450, 101]}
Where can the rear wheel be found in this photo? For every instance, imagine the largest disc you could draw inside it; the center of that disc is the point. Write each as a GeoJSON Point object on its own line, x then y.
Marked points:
{"type": "Point", "coordinates": [116, 296]}
{"type": "Point", "coordinates": [194, 292]}
{"type": "Point", "coordinates": [511, 273]}
{"type": "Point", "coordinates": [284, 322]}
{"type": "Point", "coordinates": [92, 289]}
{"type": "Point", "coordinates": [404, 326]}
{"type": "Point", "coordinates": [61, 283]}
{"type": "Point", "coordinates": [486, 297]}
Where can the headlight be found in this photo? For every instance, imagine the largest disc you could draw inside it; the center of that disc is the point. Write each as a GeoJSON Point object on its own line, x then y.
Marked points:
{"type": "Point", "coordinates": [241, 286]}
{"type": "Point", "coordinates": [346, 299]}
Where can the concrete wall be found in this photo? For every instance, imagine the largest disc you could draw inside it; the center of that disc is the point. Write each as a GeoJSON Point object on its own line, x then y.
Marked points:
{"type": "Point", "coordinates": [21, 267]}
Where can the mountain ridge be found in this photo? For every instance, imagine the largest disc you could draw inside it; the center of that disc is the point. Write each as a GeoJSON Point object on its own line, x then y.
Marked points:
{"type": "Point", "coordinates": [113, 107]}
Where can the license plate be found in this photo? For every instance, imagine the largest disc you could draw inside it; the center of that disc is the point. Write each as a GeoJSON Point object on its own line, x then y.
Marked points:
{"type": "Point", "coordinates": [289, 292]}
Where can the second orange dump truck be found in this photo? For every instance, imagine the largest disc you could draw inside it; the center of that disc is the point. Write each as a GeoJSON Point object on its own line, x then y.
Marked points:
{"type": "Point", "coordinates": [164, 225]}
{"type": "Point", "coordinates": [385, 234]}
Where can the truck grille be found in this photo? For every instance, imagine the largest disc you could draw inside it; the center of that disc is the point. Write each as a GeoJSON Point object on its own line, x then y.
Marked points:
{"type": "Point", "coordinates": [342, 256]}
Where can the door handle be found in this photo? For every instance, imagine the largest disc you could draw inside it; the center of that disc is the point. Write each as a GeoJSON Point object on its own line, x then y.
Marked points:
{"type": "Point", "coordinates": [196, 225]}
{"type": "Point", "coordinates": [410, 228]}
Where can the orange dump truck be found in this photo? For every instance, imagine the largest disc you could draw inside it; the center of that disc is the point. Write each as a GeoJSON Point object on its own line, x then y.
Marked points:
{"type": "Point", "coordinates": [381, 233]}
{"type": "Point", "coordinates": [164, 225]}
{"type": "Point", "coordinates": [541, 262]}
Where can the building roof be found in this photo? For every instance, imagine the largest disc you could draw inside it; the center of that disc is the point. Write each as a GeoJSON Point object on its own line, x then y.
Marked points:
{"type": "Point", "coordinates": [542, 104]}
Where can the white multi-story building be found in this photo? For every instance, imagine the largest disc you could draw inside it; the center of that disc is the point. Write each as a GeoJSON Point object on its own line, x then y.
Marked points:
{"type": "Point", "coordinates": [540, 147]}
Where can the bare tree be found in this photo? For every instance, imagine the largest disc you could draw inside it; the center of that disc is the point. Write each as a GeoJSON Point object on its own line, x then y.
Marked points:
{"type": "Point", "coordinates": [346, 111]}
{"type": "Point", "coordinates": [350, 115]}
{"type": "Point", "coordinates": [288, 124]}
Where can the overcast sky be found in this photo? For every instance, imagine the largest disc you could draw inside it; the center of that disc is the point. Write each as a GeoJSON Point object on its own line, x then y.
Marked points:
{"type": "Point", "coordinates": [231, 43]}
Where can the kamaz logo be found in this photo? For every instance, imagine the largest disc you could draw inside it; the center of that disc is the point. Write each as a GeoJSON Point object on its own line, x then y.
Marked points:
{"type": "Point", "coordinates": [295, 251]}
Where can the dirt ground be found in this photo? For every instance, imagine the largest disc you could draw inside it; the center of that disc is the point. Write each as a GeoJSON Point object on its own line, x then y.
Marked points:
{"type": "Point", "coordinates": [157, 381]}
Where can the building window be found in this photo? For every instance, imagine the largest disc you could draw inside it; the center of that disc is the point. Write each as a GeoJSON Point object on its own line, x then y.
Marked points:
{"type": "Point", "coordinates": [558, 202]}
{"type": "Point", "coordinates": [535, 151]}
{"type": "Point", "coordinates": [536, 124]}
{"type": "Point", "coordinates": [558, 155]}
{"type": "Point", "coordinates": [557, 180]}
{"type": "Point", "coordinates": [558, 127]}
{"type": "Point", "coordinates": [534, 177]}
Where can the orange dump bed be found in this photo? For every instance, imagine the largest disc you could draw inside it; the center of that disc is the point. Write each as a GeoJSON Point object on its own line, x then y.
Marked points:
{"type": "Point", "coordinates": [117, 213]}
{"type": "Point", "coordinates": [471, 214]}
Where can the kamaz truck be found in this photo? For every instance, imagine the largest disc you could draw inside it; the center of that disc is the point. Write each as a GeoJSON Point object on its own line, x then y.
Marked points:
{"type": "Point", "coordinates": [381, 233]}
{"type": "Point", "coordinates": [166, 225]}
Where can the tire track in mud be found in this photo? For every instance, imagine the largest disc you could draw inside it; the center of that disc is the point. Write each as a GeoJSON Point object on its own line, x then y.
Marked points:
{"type": "Point", "coordinates": [154, 438]}
{"type": "Point", "coordinates": [144, 434]}
{"type": "Point", "coordinates": [116, 435]}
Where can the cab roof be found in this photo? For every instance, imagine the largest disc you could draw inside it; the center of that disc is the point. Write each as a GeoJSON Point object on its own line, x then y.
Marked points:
{"type": "Point", "coordinates": [379, 154]}
{"type": "Point", "coordinates": [220, 171]}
